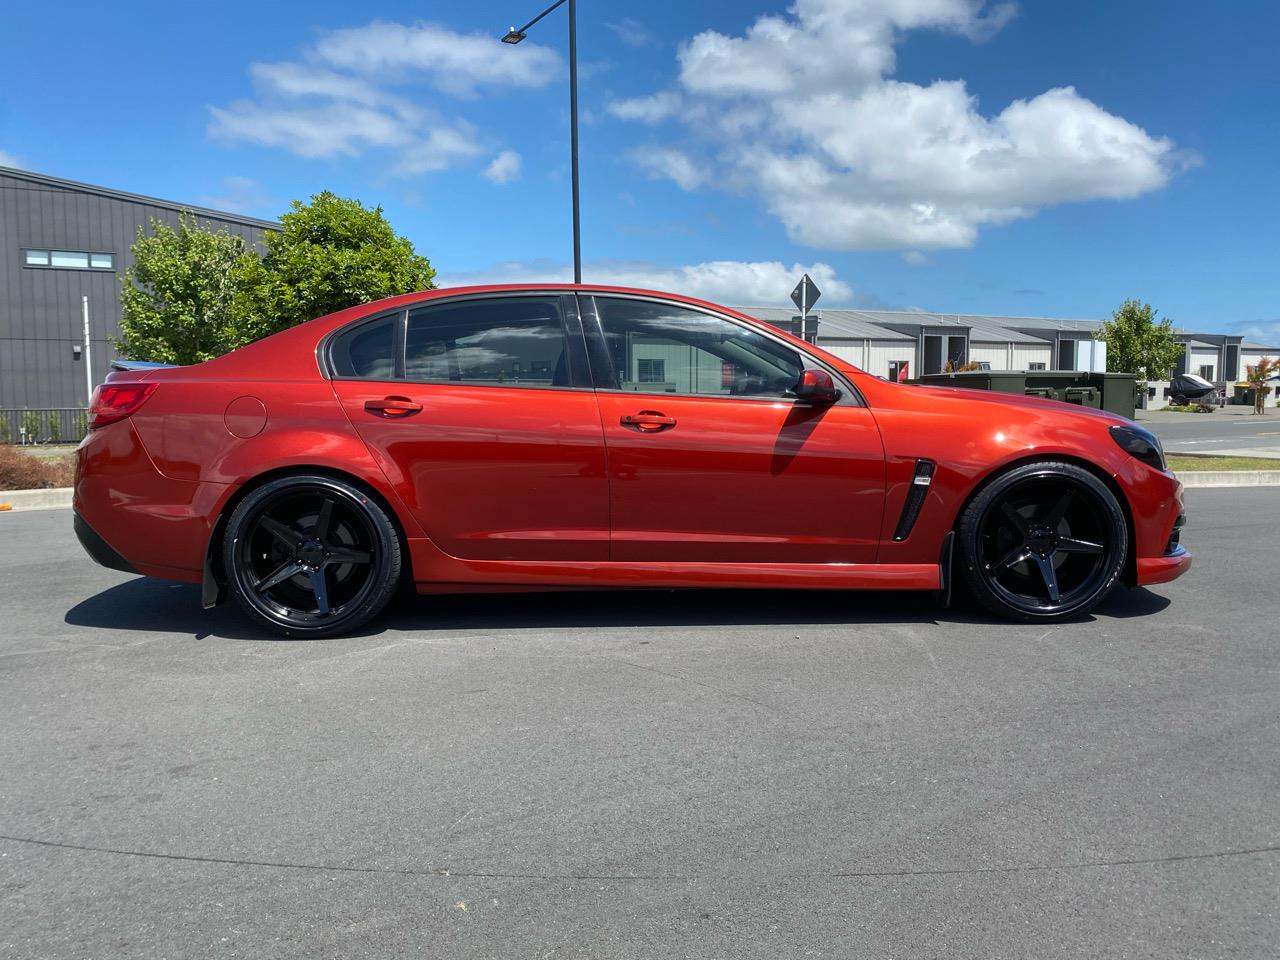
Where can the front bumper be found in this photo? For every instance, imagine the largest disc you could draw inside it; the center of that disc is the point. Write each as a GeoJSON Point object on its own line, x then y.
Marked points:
{"type": "Point", "coordinates": [1153, 570]}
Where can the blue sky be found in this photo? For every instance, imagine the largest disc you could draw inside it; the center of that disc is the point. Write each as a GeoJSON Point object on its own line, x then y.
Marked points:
{"type": "Point", "coordinates": [1037, 158]}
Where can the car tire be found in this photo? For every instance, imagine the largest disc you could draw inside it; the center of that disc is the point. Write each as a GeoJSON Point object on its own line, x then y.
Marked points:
{"type": "Point", "coordinates": [1042, 542]}
{"type": "Point", "coordinates": [310, 556]}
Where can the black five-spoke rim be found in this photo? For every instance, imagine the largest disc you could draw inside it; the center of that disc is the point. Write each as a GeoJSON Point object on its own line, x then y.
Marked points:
{"type": "Point", "coordinates": [1045, 544]}
{"type": "Point", "coordinates": [307, 556]}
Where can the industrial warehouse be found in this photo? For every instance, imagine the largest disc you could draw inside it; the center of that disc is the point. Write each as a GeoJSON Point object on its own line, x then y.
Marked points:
{"type": "Point", "coordinates": [65, 246]}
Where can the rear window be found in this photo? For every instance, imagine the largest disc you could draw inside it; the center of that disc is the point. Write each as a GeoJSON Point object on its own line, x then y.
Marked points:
{"type": "Point", "coordinates": [367, 351]}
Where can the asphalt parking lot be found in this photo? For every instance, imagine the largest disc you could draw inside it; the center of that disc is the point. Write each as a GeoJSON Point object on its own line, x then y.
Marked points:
{"type": "Point", "coordinates": [1231, 430]}
{"type": "Point", "coordinates": [643, 775]}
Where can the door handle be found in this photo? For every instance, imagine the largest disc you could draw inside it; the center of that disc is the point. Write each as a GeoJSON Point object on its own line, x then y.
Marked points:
{"type": "Point", "coordinates": [648, 421]}
{"type": "Point", "coordinates": [393, 406]}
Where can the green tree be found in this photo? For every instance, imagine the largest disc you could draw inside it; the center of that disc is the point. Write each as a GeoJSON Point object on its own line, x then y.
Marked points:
{"type": "Point", "coordinates": [330, 254]}
{"type": "Point", "coordinates": [1138, 344]}
{"type": "Point", "coordinates": [181, 298]}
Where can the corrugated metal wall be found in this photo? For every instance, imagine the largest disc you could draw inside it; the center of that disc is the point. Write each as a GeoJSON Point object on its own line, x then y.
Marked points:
{"type": "Point", "coordinates": [1025, 354]}
{"type": "Point", "coordinates": [873, 356]}
{"type": "Point", "coordinates": [996, 354]}
{"type": "Point", "coordinates": [40, 307]}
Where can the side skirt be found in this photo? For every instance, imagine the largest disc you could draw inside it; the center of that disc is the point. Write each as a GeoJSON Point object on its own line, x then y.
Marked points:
{"type": "Point", "coordinates": [435, 573]}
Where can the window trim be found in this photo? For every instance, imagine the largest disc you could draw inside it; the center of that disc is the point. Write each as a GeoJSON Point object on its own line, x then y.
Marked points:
{"type": "Point", "coordinates": [598, 353]}
{"type": "Point", "coordinates": [49, 265]}
{"type": "Point", "coordinates": [569, 324]}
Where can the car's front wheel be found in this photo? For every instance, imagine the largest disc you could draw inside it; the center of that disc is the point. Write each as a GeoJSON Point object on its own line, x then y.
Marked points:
{"type": "Point", "coordinates": [311, 556]}
{"type": "Point", "coordinates": [1042, 542]}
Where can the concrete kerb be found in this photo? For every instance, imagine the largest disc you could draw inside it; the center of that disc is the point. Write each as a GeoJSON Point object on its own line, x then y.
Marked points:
{"type": "Point", "coordinates": [51, 499]}
{"type": "Point", "coordinates": [1230, 478]}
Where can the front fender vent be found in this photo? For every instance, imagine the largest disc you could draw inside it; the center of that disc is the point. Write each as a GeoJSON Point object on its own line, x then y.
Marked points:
{"type": "Point", "coordinates": [920, 481]}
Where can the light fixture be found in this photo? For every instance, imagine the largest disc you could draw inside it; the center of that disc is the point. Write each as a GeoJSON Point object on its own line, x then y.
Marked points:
{"type": "Point", "coordinates": [514, 36]}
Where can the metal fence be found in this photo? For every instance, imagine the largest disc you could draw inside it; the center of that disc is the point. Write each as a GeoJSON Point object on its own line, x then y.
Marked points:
{"type": "Point", "coordinates": [61, 425]}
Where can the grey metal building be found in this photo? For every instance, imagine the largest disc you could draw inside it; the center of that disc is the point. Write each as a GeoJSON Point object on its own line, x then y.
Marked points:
{"type": "Point", "coordinates": [61, 241]}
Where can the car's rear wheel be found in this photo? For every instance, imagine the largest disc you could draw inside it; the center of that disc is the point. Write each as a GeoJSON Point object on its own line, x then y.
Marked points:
{"type": "Point", "coordinates": [311, 556]}
{"type": "Point", "coordinates": [1043, 542]}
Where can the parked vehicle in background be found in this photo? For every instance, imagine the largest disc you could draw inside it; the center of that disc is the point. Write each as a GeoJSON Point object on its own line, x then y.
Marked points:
{"type": "Point", "coordinates": [1187, 388]}
{"type": "Point", "coordinates": [552, 437]}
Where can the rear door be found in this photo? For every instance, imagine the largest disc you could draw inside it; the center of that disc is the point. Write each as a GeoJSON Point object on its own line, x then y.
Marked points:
{"type": "Point", "coordinates": [480, 411]}
{"type": "Point", "coordinates": [711, 457]}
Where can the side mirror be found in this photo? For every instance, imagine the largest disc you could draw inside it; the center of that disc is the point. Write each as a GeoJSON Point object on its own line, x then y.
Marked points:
{"type": "Point", "coordinates": [816, 387]}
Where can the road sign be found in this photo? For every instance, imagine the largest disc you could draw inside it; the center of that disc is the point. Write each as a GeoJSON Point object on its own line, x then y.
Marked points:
{"type": "Point", "coordinates": [806, 294]}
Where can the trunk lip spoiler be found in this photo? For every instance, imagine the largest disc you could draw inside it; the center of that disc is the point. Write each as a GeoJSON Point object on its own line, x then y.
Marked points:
{"type": "Point", "coordinates": [128, 365]}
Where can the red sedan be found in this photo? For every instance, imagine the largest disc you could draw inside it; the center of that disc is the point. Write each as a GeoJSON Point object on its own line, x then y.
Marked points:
{"type": "Point", "coordinates": [553, 437]}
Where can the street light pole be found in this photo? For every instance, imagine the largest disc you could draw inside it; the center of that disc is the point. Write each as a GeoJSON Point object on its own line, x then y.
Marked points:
{"type": "Point", "coordinates": [514, 36]}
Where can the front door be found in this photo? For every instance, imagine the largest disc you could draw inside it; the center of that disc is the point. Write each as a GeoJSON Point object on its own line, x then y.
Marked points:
{"type": "Point", "coordinates": [711, 459]}
{"type": "Point", "coordinates": [480, 412]}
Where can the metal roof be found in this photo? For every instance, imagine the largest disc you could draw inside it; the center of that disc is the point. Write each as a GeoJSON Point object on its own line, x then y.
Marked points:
{"type": "Point", "coordinates": [982, 321]}
{"type": "Point", "coordinates": [875, 324]}
{"type": "Point", "coordinates": [1250, 345]}
{"type": "Point", "coordinates": [58, 183]}
{"type": "Point", "coordinates": [837, 324]}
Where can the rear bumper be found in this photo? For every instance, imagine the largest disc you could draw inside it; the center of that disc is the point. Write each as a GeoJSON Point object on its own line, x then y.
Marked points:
{"type": "Point", "coordinates": [98, 548]}
{"type": "Point", "coordinates": [1153, 570]}
{"type": "Point", "coordinates": [130, 517]}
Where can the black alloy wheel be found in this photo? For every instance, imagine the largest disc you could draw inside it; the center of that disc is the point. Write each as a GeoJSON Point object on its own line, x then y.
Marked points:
{"type": "Point", "coordinates": [1044, 541]}
{"type": "Point", "coordinates": [311, 556]}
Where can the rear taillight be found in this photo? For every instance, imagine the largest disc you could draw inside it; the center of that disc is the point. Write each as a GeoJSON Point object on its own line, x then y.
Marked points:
{"type": "Point", "coordinates": [115, 401]}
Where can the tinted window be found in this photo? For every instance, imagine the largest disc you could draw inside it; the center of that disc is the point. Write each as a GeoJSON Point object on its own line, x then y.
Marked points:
{"type": "Point", "coordinates": [658, 348]}
{"type": "Point", "coordinates": [367, 351]}
{"type": "Point", "coordinates": [511, 342]}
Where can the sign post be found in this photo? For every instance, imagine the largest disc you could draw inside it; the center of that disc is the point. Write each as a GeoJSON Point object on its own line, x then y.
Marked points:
{"type": "Point", "coordinates": [804, 296]}
{"type": "Point", "coordinates": [88, 354]}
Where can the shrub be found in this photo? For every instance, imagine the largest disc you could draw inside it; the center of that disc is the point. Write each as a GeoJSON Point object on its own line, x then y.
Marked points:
{"type": "Point", "coordinates": [53, 426]}
{"type": "Point", "coordinates": [22, 471]}
{"type": "Point", "coordinates": [31, 425]}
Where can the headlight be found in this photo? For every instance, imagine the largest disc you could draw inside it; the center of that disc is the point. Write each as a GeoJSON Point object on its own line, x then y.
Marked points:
{"type": "Point", "coordinates": [1139, 443]}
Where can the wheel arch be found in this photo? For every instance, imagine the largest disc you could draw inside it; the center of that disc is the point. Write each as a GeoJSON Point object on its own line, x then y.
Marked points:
{"type": "Point", "coordinates": [214, 587]}
{"type": "Point", "coordinates": [1130, 575]}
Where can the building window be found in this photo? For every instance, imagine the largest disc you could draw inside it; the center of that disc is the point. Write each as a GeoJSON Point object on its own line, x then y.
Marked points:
{"type": "Point", "coordinates": [1206, 371]}
{"type": "Point", "coordinates": [651, 371]}
{"type": "Point", "coordinates": [899, 370]}
{"type": "Point", "coordinates": [69, 259]}
{"type": "Point", "coordinates": [1035, 366]}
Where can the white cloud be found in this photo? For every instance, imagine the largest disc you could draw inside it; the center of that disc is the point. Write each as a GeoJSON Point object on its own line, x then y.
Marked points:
{"type": "Point", "coordinates": [729, 282]}
{"type": "Point", "coordinates": [457, 63]}
{"type": "Point", "coordinates": [239, 195]}
{"type": "Point", "coordinates": [504, 168]}
{"type": "Point", "coordinates": [632, 32]}
{"type": "Point", "coordinates": [1265, 332]}
{"type": "Point", "coordinates": [671, 163]}
{"type": "Point", "coordinates": [311, 130]}
{"type": "Point", "coordinates": [443, 146]}
{"type": "Point", "coordinates": [344, 96]}
{"type": "Point", "coordinates": [9, 160]}
{"type": "Point", "coordinates": [650, 109]}
{"type": "Point", "coordinates": [801, 111]}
